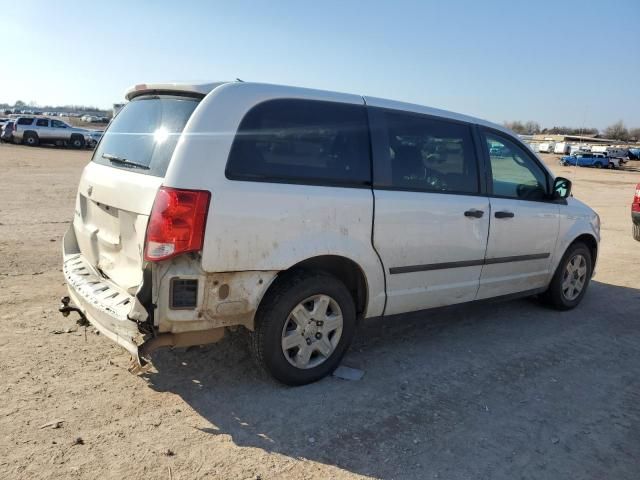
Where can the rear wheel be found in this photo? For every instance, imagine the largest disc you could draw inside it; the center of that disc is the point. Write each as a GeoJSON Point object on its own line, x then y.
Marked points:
{"type": "Point", "coordinates": [571, 278]}
{"type": "Point", "coordinates": [304, 327]}
{"type": "Point", "coordinates": [31, 139]}
{"type": "Point", "coordinates": [598, 165]}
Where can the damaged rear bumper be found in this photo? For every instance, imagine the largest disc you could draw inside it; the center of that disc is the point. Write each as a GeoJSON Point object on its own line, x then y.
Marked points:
{"type": "Point", "coordinates": [118, 314]}
{"type": "Point", "coordinates": [114, 312]}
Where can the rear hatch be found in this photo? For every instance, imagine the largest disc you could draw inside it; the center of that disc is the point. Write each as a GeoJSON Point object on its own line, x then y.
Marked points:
{"type": "Point", "coordinates": [118, 187]}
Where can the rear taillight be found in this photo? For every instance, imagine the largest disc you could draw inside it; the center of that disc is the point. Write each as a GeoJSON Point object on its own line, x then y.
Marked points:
{"type": "Point", "coordinates": [635, 206]}
{"type": "Point", "coordinates": [176, 224]}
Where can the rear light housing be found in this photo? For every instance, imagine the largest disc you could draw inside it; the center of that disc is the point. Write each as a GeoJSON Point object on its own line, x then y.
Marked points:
{"type": "Point", "coordinates": [176, 224]}
{"type": "Point", "coordinates": [635, 206]}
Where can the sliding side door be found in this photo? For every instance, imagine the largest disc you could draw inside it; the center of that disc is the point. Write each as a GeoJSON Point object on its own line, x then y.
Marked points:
{"type": "Point", "coordinates": [431, 219]}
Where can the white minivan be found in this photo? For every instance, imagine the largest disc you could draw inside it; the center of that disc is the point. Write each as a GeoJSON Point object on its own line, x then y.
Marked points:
{"type": "Point", "coordinates": [296, 213]}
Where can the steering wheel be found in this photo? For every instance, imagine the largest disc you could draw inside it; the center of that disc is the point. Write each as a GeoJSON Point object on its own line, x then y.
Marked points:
{"type": "Point", "coordinates": [434, 181]}
{"type": "Point", "coordinates": [528, 192]}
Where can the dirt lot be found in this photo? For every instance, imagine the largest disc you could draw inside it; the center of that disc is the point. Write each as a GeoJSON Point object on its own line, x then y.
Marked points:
{"type": "Point", "coordinates": [508, 390]}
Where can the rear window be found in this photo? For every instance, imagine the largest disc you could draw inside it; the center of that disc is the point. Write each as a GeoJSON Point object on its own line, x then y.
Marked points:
{"type": "Point", "coordinates": [143, 136]}
{"type": "Point", "coordinates": [302, 141]}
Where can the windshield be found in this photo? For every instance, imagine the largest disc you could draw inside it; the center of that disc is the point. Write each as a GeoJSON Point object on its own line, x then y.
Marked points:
{"type": "Point", "coordinates": [144, 134]}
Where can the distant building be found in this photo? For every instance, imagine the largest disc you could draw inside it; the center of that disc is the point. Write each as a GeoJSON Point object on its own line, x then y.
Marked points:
{"type": "Point", "coordinates": [560, 137]}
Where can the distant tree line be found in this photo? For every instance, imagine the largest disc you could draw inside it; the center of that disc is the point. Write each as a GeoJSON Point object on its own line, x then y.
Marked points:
{"type": "Point", "coordinates": [526, 128]}
{"type": "Point", "coordinates": [620, 132]}
{"type": "Point", "coordinates": [571, 131]}
{"type": "Point", "coordinates": [617, 131]}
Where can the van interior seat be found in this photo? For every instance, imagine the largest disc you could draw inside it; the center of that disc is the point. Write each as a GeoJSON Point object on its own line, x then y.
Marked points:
{"type": "Point", "coordinates": [407, 166]}
{"type": "Point", "coordinates": [343, 154]}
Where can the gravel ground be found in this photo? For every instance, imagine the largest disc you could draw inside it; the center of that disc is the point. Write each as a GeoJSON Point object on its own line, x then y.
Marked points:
{"type": "Point", "coordinates": [500, 391]}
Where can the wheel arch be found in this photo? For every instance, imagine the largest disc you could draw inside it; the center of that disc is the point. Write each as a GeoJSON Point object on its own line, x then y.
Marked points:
{"type": "Point", "coordinates": [342, 268]}
{"type": "Point", "coordinates": [26, 135]}
{"type": "Point", "coordinates": [591, 242]}
{"type": "Point", "coordinates": [552, 296]}
{"type": "Point", "coordinates": [79, 136]}
{"type": "Point", "coordinates": [30, 132]}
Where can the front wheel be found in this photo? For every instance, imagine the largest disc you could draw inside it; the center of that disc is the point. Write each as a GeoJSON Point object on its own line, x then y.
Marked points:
{"type": "Point", "coordinates": [77, 141]}
{"type": "Point", "coordinates": [304, 327]}
{"type": "Point", "coordinates": [571, 279]}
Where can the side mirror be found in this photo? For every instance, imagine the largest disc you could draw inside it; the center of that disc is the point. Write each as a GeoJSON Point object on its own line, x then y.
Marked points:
{"type": "Point", "coordinates": [561, 187]}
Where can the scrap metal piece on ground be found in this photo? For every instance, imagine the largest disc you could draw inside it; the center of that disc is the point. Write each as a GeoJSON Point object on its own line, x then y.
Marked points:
{"type": "Point", "coordinates": [348, 373]}
{"type": "Point", "coordinates": [54, 423]}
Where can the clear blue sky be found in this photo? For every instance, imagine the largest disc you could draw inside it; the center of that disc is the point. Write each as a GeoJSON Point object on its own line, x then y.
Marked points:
{"type": "Point", "coordinates": [557, 62]}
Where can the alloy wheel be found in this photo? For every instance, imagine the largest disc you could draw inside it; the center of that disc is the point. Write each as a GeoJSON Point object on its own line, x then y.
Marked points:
{"type": "Point", "coordinates": [312, 331]}
{"type": "Point", "coordinates": [574, 278]}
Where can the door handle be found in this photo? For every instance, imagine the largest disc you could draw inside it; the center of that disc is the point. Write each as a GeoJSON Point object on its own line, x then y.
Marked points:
{"type": "Point", "coordinates": [474, 213]}
{"type": "Point", "coordinates": [504, 214]}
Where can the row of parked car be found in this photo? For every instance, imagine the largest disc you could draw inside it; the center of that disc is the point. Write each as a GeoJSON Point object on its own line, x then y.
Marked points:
{"type": "Point", "coordinates": [83, 117]}
{"type": "Point", "coordinates": [94, 119]}
{"type": "Point", "coordinates": [34, 131]}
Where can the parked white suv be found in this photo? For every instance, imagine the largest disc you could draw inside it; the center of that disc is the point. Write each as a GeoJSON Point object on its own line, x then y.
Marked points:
{"type": "Point", "coordinates": [296, 212]}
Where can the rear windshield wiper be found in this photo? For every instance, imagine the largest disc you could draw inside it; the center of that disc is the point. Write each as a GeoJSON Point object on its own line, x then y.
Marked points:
{"type": "Point", "coordinates": [124, 161]}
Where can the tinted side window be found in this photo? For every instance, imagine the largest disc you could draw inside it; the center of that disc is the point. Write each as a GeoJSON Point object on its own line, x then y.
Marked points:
{"type": "Point", "coordinates": [42, 122]}
{"type": "Point", "coordinates": [425, 154]}
{"type": "Point", "coordinates": [25, 121]}
{"type": "Point", "coordinates": [57, 124]}
{"type": "Point", "coordinates": [514, 173]}
{"type": "Point", "coordinates": [302, 141]}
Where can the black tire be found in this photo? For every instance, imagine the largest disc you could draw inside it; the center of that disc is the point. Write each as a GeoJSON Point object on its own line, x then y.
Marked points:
{"type": "Point", "coordinates": [636, 232]}
{"type": "Point", "coordinates": [291, 289]}
{"type": "Point", "coordinates": [554, 296]}
{"type": "Point", "coordinates": [77, 141]}
{"type": "Point", "coordinates": [598, 165]}
{"type": "Point", "coordinates": [31, 139]}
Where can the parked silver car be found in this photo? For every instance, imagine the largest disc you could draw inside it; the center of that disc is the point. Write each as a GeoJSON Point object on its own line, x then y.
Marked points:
{"type": "Point", "coordinates": [35, 130]}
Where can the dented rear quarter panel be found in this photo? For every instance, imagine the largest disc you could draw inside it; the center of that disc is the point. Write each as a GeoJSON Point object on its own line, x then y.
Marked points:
{"type": "Point", "coordinates": [224, 299]}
